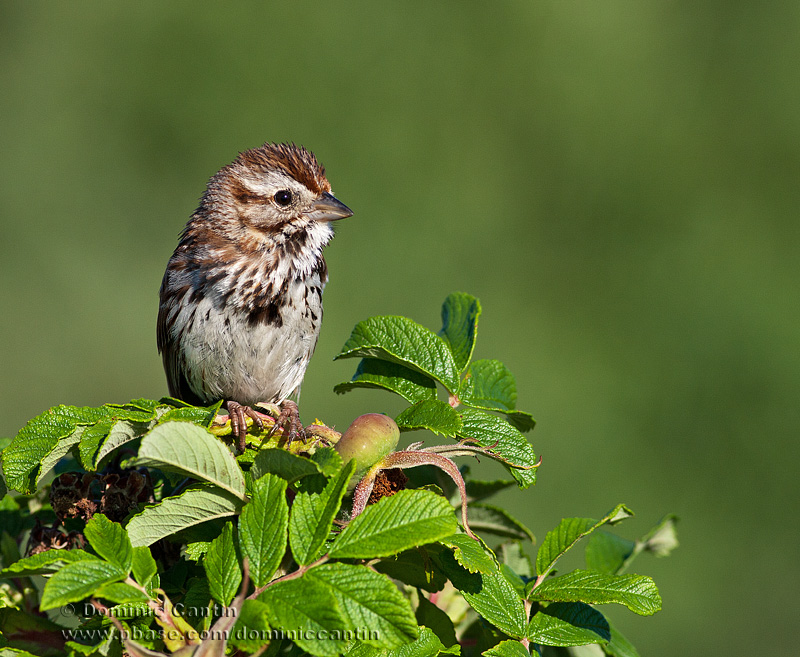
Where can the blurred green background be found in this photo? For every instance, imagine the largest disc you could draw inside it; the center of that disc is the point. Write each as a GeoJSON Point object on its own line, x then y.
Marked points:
{"type": "Point", "coordinates": [617, 182]}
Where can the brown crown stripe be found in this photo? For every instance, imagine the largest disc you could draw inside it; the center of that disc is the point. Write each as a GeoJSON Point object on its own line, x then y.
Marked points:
{"type": "Point", "coordinates": [296, 161]}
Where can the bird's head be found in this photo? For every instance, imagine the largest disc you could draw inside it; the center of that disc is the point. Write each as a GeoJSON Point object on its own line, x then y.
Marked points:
{"type": "Point", "coordinates": [271, 192]}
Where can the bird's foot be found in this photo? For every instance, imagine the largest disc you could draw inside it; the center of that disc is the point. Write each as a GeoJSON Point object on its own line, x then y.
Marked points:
{"type": "Point", "coordinates": [289, 422]}
{"type": "Point", "coordinates": [239, 414]}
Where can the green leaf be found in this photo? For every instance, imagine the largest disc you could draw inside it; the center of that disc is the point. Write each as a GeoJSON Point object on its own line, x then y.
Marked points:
{"type": "Point", "coordinates": [637, 592]}
{"type": "Point", "coordinates": [127, 422]}
{"type": "Point", "coordinates": [489, 384]}
{"type": "Point", "coordinates": [478, 490]}
{"type": "Point", "coordinates": [499, 604]}
{"type": "Point", "coordinates": [515, 580]}
{"type": "Point", "coordinates": [196, 550]}
{"type": "Point", "coordinates": [568, 532]}
{"type": "Point", "coordinates": [143, 565]}
{"type": "Point", "coordinates": [192, 507]}
{"type": "Point", "coordinates": [251, 631]}
{"type": "Point", "coordinates": [312, 517]}
{"type": "Point", "coordinates": [9, 550]}
{"type": "Point", "coordinates": [263, 526]}
{"type": "Point", "coordinates": [513, 556]}
{"type": "Point", "coordinates": [285, 465]}
{"type": "Point", "coordinates": [368, 600]}
{"type": "Point", "coordinates": [427, 645]}
{"type": "Point", "coordinates": [611, 554]}
{"type": "Point", "coordinates": [147, 406]}
{"type": "Point", "coordinates": [620, 646]}
{"type": "Point", "coordinates": [568, 624]}
{"type": "Point", "coordinates": [200, 415]}
{"type": "Point", "coordinates": [91, 439]}
{"type": "Point", "coordinates": [77, 580]}
{"type": "Point", "coordinates": [328, 460]}
{"type": "Point", "coordinates": [12, 520]}
{"type": "Point", "coordinates": [410, 384]}
{"type": "Point", "coordinates": [139, 410]}
{"type": "Point", "coordinates": [521, 420]}
{"type": "Point", "coordinates": [662, 539]}
{"type": "Point", "coordinates": [429, 615]}
{"type": "Point", "coordinates": [471, 554]}
{"type": "Point", "coordinates": [198, 595]}
{"type": "Point", "coordinates": [496, 520]}
{"type": "Point", "coordinates": [16, 652]}
{"type": "Point", "coordinates": [37, 439]}
{"type": "Point", "coordinates": [490, 594]}
{"type": "Point", "coordinates": [100, 644]}
{"type": "Point", "coordinates": [507, 648]}
{"type": "Point", "coordinates": [192, 451]}
{"type": "Point", "coordinates": [607, 553]}
{"type": "Point", "coordinates": [431, 414]}
{"type": "Point", "coordinates": [400, 340]}
{"type": "Point", "coordinates": [516, 453]}
{"type": "Point", "coordinates": [61, 449]}
{"type": "Point", "coordinates": [310, 612]}
{"type": "Point", "coordinates": [222, 566]}
{"type": "Point", "coordinates": [26, 630]}
{"type": "Point", "coordinates": [121, 433]}
{"type": "Point", "coordinates": [460, 314]}
{"type": "Point", "coordinates": [404, 520]}
{"type": "Point", "coordinates": [121, 593]}
{"type": "Point", "coordinates": [110, 541]}
{"type": "Point", "coordinates": [415, 568]}
{"type": "Point", "coordinates": [45, 563]}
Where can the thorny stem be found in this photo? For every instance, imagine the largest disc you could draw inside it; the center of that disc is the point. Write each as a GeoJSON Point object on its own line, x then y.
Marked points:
{"type": "Point", "coordinates": [364, 489]}
{"type": "Point", "coordinates": [324, 433]}
{"type": "Point", "coordinates": [437, 455]}
{"type": "Point", "coordinates": [467, 447]}
{"type": "Point", "coordinates": [413, 458]}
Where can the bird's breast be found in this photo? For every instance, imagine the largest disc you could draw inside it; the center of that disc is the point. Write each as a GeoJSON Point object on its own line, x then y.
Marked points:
{"type": "Point", "coordinates": [251, 353]}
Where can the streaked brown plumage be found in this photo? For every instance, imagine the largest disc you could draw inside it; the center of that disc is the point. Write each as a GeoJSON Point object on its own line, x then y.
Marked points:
{"type": "Point", "coordinates": [241, 300]}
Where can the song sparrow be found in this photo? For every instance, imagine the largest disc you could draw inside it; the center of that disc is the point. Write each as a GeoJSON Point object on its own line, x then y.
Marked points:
{"type": "Point", "coordinates": [241, 299]}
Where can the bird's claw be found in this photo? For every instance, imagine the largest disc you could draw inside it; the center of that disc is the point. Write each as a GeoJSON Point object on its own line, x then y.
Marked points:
{"type": "Point", "coordinates": [289, 422]}
{"type": "Point", "coordinates": [238, 414]}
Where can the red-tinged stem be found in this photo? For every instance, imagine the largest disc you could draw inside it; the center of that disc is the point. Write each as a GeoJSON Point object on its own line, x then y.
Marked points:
{"type": "Point", "coordinates": [464, 448]}
{"type": "Point", "coordinates": [539, 580]}
{"type": "Point", "coordinates": [364, 490]}
{"type": "Point", "coordinates": [302, 570]}
{"type": "Point", "coordinates": [525, 641]}
{"type": "Point", "coordinates": [104, 611]}
{"type": "Point", "coordinates": [325, 433]}
{"type": "Point", "coordinates": [412, 459]}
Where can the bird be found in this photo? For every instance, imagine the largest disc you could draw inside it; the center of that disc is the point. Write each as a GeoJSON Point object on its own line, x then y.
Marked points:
{"type": "Point", "coordinates": [240, 304]}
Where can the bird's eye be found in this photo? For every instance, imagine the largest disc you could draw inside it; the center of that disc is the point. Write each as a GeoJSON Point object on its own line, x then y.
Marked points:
{"type": "Point", "coordinates": [283, 197]}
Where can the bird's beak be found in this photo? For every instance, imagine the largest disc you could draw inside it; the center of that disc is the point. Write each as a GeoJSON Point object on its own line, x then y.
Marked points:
{"type": "Point", "coordinates": [328, 208]}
